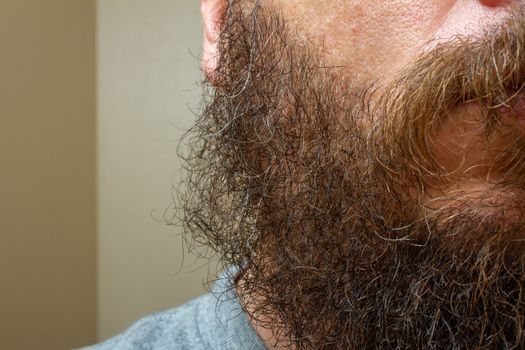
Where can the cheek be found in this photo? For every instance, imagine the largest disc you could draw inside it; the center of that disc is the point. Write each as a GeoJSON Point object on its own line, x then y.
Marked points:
{"type": "Point", "coordinates": [375, 38]}
{"type": "Point", "coordinates": [372, 39]}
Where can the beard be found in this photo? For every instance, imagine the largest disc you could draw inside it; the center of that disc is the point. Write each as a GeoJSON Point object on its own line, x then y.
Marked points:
{"type": "Point", "coordinates": [316, 187]}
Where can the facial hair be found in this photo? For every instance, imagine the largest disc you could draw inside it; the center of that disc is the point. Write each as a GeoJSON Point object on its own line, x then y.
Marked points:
{"type": "Point", "coordinates": [312, 185]}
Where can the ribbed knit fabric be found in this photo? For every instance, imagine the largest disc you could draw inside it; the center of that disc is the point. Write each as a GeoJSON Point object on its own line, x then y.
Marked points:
{"type": "Point", "coordinates": [212, 321]}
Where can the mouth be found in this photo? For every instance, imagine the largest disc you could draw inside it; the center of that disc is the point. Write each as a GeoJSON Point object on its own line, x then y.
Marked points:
{"type": "Point", "coordinates": [468, 145]}
{"type": "Point", "coordinates": [514, 113]}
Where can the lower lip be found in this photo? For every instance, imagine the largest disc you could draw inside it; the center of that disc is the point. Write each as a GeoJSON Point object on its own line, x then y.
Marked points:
{"type": "Point", "coordinates": [516, 111]}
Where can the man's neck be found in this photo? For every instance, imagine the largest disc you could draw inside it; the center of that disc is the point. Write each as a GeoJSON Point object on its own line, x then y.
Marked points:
{"type": "Point", "coordinates": [267, 335]}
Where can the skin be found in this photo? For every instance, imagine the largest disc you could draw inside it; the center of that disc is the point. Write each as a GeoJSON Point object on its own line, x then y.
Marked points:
{"type": "Point", "coordinates": [387, 35]}
{"type": "Point", "coordinates": [375, 40]}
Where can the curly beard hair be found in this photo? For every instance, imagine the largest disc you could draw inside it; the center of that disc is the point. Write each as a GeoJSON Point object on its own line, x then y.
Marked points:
{"type": "Point", "coordinates": [314, 186]}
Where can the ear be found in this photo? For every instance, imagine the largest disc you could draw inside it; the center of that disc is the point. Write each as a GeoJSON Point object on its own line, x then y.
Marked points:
{"type": "Point", "coordinates": [213, 13]}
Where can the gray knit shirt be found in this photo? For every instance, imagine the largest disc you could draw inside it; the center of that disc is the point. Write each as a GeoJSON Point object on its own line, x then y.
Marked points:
{"type": "Point", "coordinates": [212, 321]}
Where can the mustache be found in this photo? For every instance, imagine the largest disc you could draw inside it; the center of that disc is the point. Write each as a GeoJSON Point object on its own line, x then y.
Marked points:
{"type": "Point", "coordinates": [488, 70]}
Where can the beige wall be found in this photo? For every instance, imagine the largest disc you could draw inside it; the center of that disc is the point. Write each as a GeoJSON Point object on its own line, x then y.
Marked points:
{"type": "Point", "coordinates": [144, 77]}
{"type": "Point", "coordinates": [147, 85]}
{"type": "Point", "coordinates": [47, 189]}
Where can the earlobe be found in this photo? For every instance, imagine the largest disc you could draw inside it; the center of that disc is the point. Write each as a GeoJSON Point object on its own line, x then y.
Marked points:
{"type": "Point", "coordinates": [213, 12]}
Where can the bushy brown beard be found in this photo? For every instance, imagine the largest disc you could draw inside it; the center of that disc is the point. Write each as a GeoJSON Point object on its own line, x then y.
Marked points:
{"type": "Point", "coordinates": [313, 187]}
